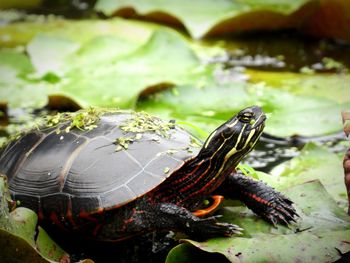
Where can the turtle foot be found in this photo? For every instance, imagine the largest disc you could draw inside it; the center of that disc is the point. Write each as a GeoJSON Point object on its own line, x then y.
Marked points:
{"type": "Point", "coordinates": [262, 199]}
{"type": "Point", "coordinates": [210, 227]}
{"type": "Point", "coordinates": [279, 210]}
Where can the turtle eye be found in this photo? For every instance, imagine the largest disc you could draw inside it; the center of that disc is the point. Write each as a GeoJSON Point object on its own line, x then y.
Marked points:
{"type": "Point", "coordinates": [246, 117]}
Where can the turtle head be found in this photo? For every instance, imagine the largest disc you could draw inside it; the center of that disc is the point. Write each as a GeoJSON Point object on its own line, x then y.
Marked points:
{"type": "Point", "coordinates": [230, 142]}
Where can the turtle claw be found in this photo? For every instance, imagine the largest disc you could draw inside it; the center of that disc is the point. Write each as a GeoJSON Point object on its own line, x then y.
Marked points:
{"type": "Point", "coordinates": [209, 227]}
{"type": "Point", "coordinates": [280, 211]}
{"type": "Point", "coordinates": [231, 229]}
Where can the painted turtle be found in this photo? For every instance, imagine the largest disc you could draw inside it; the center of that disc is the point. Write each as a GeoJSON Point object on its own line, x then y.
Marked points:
{"type": "Point", "coordinates": [115, 174]}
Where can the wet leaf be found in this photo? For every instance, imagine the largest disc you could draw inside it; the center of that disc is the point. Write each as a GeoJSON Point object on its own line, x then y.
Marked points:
{"type": "Point", "coordinates": [314, 163]}
{"type": "Point", "coordinates": [201, 17]}
{"type": "Point", "coordinates": [119, 80]}
{"type": "Point", "coordinates": [327, 86]}
{"type": "Point", "coordinates": [330, 20]}
{"type": "Point", "coordinates": [20, 33]}
{"type": "Point", "coordinates": [48, 54]}
{"type": "Point", "coordinates": [288, 113]}
{"type": "Point", "coordinates": [293, 101]}
{"type": "Point", "coordinates": [15, 88]}
{"type": "Point", "coordinates": [346, 121]}
{"type": "Point", "coordinates": [185, 253]}
{"type": "Point", "coordinates": [322, 231]}
{"type": "Point", "coordinates": [346, 166]}
{"type": "Point", "coordinates": [66, 65]}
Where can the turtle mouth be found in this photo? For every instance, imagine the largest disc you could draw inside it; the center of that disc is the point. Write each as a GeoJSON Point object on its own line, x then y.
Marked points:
{"type": "Point", "coordinates": [259, 123]}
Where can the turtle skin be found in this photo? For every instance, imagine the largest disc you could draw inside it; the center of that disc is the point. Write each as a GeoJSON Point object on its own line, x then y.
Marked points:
{"type": "Point", "coordinates": [115, 181]}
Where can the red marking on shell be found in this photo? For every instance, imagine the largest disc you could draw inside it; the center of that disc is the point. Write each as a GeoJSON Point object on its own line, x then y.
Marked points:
{"type": "Point", "coordinates": [40, 214]}
{"type": "Point", "coordinates": [96, 229]}
{"type": "Point", "coordinates": [86, 215]}
{"type": "Point", "coordinates": [55, 220]}
{"type": "Point", "coordinates": [69, 213]}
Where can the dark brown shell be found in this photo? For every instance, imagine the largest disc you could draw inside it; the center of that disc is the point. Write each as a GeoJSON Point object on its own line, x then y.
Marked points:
{"type": "Point", "coordinates": [83, 171]}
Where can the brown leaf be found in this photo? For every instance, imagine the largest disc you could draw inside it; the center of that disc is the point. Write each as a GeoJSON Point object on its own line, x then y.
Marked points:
{"type": "Point", "coordinates": [346, 165]}
{"type": "Point", "coordinates": [346, 121]}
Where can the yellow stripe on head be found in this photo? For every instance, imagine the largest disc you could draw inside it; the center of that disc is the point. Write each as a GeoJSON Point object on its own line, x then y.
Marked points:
{"type": "Point", "coordinates": [209, 139]}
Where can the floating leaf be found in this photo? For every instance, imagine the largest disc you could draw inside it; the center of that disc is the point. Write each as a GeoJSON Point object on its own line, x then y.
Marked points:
{"type": "Point", "coordinates": [48, 54]}
{"type": "Point", "coordinates": [119, 81]}
{"type": "Point", "coordinates": [15, 88]}
{"type": "Point", "coordinates": [20, 33]}
{"type": "Point", "coordinates": [331, 20]}
{"type": "Point", "coordinates": [288, 114]}
{"type": "Point", "coordinates": [334, 87]}
{"type": "Point", "coordinates": [314, 162]}
{"type": "Point", "coordinates": [185, 253]}
{"type": "Point", "coordinates": [201, 17]}
{"type": "Point", "coordinates": [322, 231]}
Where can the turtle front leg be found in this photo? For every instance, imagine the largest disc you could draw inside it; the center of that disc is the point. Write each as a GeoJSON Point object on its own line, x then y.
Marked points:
{"type": "Point", "coordinates": [262, 199]}
{"type": "Point", "coordinates": [146, 217]}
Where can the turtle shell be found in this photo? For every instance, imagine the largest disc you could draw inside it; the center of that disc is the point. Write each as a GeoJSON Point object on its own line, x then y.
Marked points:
{"type": "Point", "coordinates": [124, 156]}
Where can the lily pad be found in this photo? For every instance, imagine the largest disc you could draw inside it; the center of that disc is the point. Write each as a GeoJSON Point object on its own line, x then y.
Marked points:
{"type": "Point", "coordinates": [314, 162]}
{"type": "Point", "coordinates": [298, 114]}
{"type": "Point", "coordinates": [185, 253]}
{"type": "Point", "coordinates": [82, 31]}
{"type": "Point", "coordinates": [48, 54]}
{"type": "Point", "coordinates": [320, 234]}
{"type": "Point", "coordinates": [331, 20]}
{"type": "Point", "coordinates": [119, 80]}
{"type": "Point", "coordinates": [57, 47]}
{"type": "Point", "coordinates": [15, 89]}
{"type": "Point", "coordinates": [113, 69]}
{"type": "Point", "coordinates": [67, 68]}
{"type": "Point", "coordinates": [201, 17]}
{"type": "Point", "coordinates": [328, 86]}
{"type": "Point", "coordinates": [288, 114]}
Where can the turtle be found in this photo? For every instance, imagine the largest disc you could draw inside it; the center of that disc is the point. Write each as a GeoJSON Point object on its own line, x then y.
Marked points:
{"type": "Point", "coordinates": [110, 174]}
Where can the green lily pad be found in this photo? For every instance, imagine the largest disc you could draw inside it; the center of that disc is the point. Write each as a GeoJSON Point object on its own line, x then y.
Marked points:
{"type": "Point", "coordinates": [298, 114]}
{"type": "Point", "coordinates": [322, 231]}
{"type": "Point", "coordinates": [314, 162]}
{"type": "Point", "coordinates": [288, 114]}
{"type": "Point", "coordinates": [82, 31]}
{"type": "Point", "coordinates": [113, 69]}
{"type": "Point", "coordinates": [328, 86]}
{"type": "Point", "coordinates": [124, 69]}
{"type": "Point", "coordinates": [15, 89]}
{"type": "Point", "coordinates": [48, 54]}
{"type": "Point", "coordinates": [57, 47]}
{"type": "Point", "coordinates": [95, 49]}
{"type": "Point", "coordinates": [118, 81]}
{"type": "Point", "coordinates": [185, 253]}
{"type": "Point", "coordinates": [200, 17]}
